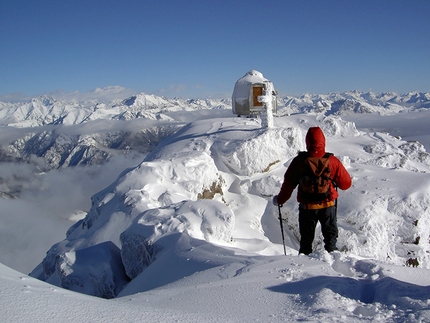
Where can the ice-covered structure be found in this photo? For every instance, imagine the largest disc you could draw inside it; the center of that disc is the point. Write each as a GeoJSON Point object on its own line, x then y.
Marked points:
{"type": "Point", "coordinates": [249, 93]}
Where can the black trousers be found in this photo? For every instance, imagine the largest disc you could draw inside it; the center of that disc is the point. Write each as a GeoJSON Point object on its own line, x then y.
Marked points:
{"type": "Point", "coordinates": [308, 220]}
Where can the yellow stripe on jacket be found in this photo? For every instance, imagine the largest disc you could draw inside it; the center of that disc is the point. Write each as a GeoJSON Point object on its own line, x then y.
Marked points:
{"type": "Point", "coordinates": [317, 206]}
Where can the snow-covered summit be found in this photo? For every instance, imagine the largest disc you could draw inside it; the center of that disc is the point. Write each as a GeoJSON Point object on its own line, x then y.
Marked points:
{"type": "Point", "coordinates": [190, 233]}
{"type": "Point", "coordinates": [210, 185]}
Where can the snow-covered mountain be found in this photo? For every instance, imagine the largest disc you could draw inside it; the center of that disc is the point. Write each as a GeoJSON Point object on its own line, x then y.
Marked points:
{"type": "Point", "coordinates": [358, 102]}
{"type": "Point", "coordinates": [152, 206]}
{"type": "Point", "coordinates": [46, 110]}
{"type": "Point", "coordinates": [191, 228]}
{"type": "Point", "coordinates": [88, 132]}
{"type": "Point", "coordinates": [95, 131]}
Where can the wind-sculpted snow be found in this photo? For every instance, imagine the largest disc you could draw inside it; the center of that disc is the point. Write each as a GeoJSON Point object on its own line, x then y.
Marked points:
{"type": "Point", "coordinates": [244, 156]}
{"type": "Point", "coordinates": [336, 127]}
{"type": "Point", "coordinates": [192, 223]}
{"type": "Point", "coordinates": [189, 234]}
{"type": "Point", "coordinates": [96, 270]}
{"type": "Point", "coordinates": [390, 152]}
{"type": "Point", "coordinates": [142, 241]}
{"type": "Point", "coordinates": [211, 183]}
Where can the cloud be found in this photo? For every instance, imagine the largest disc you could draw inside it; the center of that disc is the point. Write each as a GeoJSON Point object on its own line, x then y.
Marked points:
{"type": "Point", "coordinates": [104, 94]}
{"type": "Point", "coordinates": [108, 93]}
{"type": "Point", "coordinates": [172, 90]}
{"type": "Point", "coordinates": [195, 91]}
{"type": "Point", "coordinates": [15, 97]}
{"type": "Point", "coordinates": [46, 205]}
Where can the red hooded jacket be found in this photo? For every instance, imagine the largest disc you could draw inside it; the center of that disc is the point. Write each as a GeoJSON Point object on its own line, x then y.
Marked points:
{"type": "Point", "coordinates": [315, 145]}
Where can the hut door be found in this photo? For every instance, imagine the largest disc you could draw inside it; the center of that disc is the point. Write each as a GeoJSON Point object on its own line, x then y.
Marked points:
{"type": "Point", "coordinates": [256, 92]}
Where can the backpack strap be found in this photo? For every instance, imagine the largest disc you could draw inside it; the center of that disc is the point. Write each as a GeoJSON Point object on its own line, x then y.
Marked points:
{"type": "Point", "coordinates": [328, 155]}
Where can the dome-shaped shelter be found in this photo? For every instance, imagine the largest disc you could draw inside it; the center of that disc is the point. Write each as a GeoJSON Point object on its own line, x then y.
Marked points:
{"type": "Point", "coordinates": [248, 90]}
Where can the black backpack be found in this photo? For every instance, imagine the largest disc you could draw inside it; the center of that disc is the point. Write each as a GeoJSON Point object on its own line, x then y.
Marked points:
{"type": "Point", "coordinates": [314, 186]}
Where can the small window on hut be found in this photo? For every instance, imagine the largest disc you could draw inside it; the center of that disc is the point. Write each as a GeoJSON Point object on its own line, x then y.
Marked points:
{"type": "Point", "coordinates": [256, 92]}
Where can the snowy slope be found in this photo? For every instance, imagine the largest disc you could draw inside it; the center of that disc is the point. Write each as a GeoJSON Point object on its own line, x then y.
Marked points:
{"type": "Point", "coordinates": [163, 232]}
{"type": "Point", "coordinates": [320, 288]}
{"type": "Point", "coordinates": [192, 235]}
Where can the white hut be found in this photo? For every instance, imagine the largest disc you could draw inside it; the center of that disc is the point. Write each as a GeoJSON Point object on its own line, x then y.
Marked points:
{"type": "Point", "coordinates": [248, 94]}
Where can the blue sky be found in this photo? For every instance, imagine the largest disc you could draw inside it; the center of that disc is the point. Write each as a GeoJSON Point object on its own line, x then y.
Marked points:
{"type": "Point", "coordinates": [199, 48]}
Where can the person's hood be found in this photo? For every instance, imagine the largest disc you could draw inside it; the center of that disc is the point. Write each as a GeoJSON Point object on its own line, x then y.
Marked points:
{"type": "Point", "coordinates": [315, 142]}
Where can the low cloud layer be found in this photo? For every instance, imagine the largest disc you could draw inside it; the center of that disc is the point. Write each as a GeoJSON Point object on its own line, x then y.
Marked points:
{"type": "Point", "coordinates": [105, 94]}
{"type": "Point", "coordinates": [46, 205]}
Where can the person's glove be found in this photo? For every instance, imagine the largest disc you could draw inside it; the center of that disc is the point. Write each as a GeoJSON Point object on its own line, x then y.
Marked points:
{"type": "Point", "coordinates": [275, 201]}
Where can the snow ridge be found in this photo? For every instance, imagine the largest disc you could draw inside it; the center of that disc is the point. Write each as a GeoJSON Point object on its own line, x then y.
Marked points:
{"type": "Point", "coordinates": [150, 209]}
{"type": "Point", "coordinates": [190, 234]}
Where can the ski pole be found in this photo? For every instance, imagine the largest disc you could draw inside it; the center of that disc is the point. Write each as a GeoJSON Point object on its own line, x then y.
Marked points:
{"type": "Point", "coordinates": [282, 229]}
{"type": "Point", "coordinates": [335, 204]}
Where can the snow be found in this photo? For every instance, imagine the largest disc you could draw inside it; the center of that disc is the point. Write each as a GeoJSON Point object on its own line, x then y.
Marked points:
{"type": "Point", "coordinates": [267, 112]}
{"type": "Point", "coordinates": [252, 77]}
{"type": "Point", "coordinates": [190, 233]}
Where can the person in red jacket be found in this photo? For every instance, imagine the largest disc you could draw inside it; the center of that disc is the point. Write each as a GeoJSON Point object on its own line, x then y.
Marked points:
{"type": "Point", "coordinates": [311, 213]}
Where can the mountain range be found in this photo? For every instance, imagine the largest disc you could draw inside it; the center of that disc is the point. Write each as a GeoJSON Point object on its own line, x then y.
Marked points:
{"type": "Point", "coordinates": [194, 211]}
{"type": "Point", "coordinates": [151, 118]}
